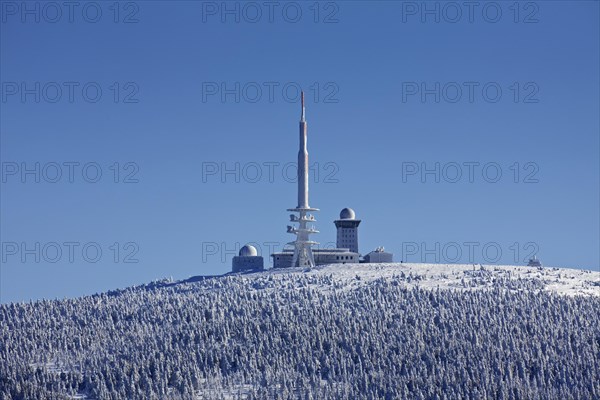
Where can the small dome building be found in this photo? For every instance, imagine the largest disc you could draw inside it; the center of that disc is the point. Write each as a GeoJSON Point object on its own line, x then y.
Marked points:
{"type": "Point", "coordinates": [247, 260]}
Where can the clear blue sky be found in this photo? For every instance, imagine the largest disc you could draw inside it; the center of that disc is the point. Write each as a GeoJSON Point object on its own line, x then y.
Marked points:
{"type": "Point", "coordinates": [374, 129]}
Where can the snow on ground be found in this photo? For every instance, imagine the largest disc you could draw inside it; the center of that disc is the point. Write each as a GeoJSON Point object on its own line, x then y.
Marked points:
{"type": "Point", "coordinates": [238, 393]}
{"type": "Point", "coordinates": [452, 276]}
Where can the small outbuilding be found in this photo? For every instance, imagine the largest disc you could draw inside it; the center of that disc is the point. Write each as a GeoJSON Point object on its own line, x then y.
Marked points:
{"type": "Point", "coordinates": [534, 262]}
{"type": "Point", "coordinates": [379, 256]}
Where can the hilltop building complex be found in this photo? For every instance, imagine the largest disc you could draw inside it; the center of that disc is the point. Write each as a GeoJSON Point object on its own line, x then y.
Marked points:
{"type": "Point", "coordinates": [303, 251]}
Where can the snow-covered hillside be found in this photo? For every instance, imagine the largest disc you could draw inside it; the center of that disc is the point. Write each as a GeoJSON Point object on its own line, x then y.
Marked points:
{"type": "Point", "coordinates": [457, 276]}
{"type": "Point", "coordinates": [362, 331]}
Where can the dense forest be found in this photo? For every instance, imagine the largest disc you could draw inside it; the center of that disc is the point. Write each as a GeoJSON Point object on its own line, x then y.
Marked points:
{"type": "Point", "coordinates": [304, 336]}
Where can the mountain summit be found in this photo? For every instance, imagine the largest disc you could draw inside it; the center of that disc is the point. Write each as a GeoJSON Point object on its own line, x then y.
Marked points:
{"type": "Point", "coordinates": [354, 331]}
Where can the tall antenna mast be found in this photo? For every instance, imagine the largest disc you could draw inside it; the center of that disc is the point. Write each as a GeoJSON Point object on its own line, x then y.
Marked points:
{"type": "Point", "coordinates": [303, 254]}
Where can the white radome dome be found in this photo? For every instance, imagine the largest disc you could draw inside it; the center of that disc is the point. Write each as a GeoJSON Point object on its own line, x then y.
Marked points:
{"type": "Point", "coordinates": [248, 251]}
{"type": "Point", "coordinates": [347, 213]}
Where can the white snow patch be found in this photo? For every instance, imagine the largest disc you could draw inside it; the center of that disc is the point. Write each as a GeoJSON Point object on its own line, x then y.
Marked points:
{"type": "Point", "coordinates": [563, 281]}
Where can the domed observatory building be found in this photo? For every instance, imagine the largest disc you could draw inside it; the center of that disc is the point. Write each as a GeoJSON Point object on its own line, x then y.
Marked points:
{"type": "Point", "coordinates": [247, 260]}
{"type": "Point", "coordinates": [347, 230]}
